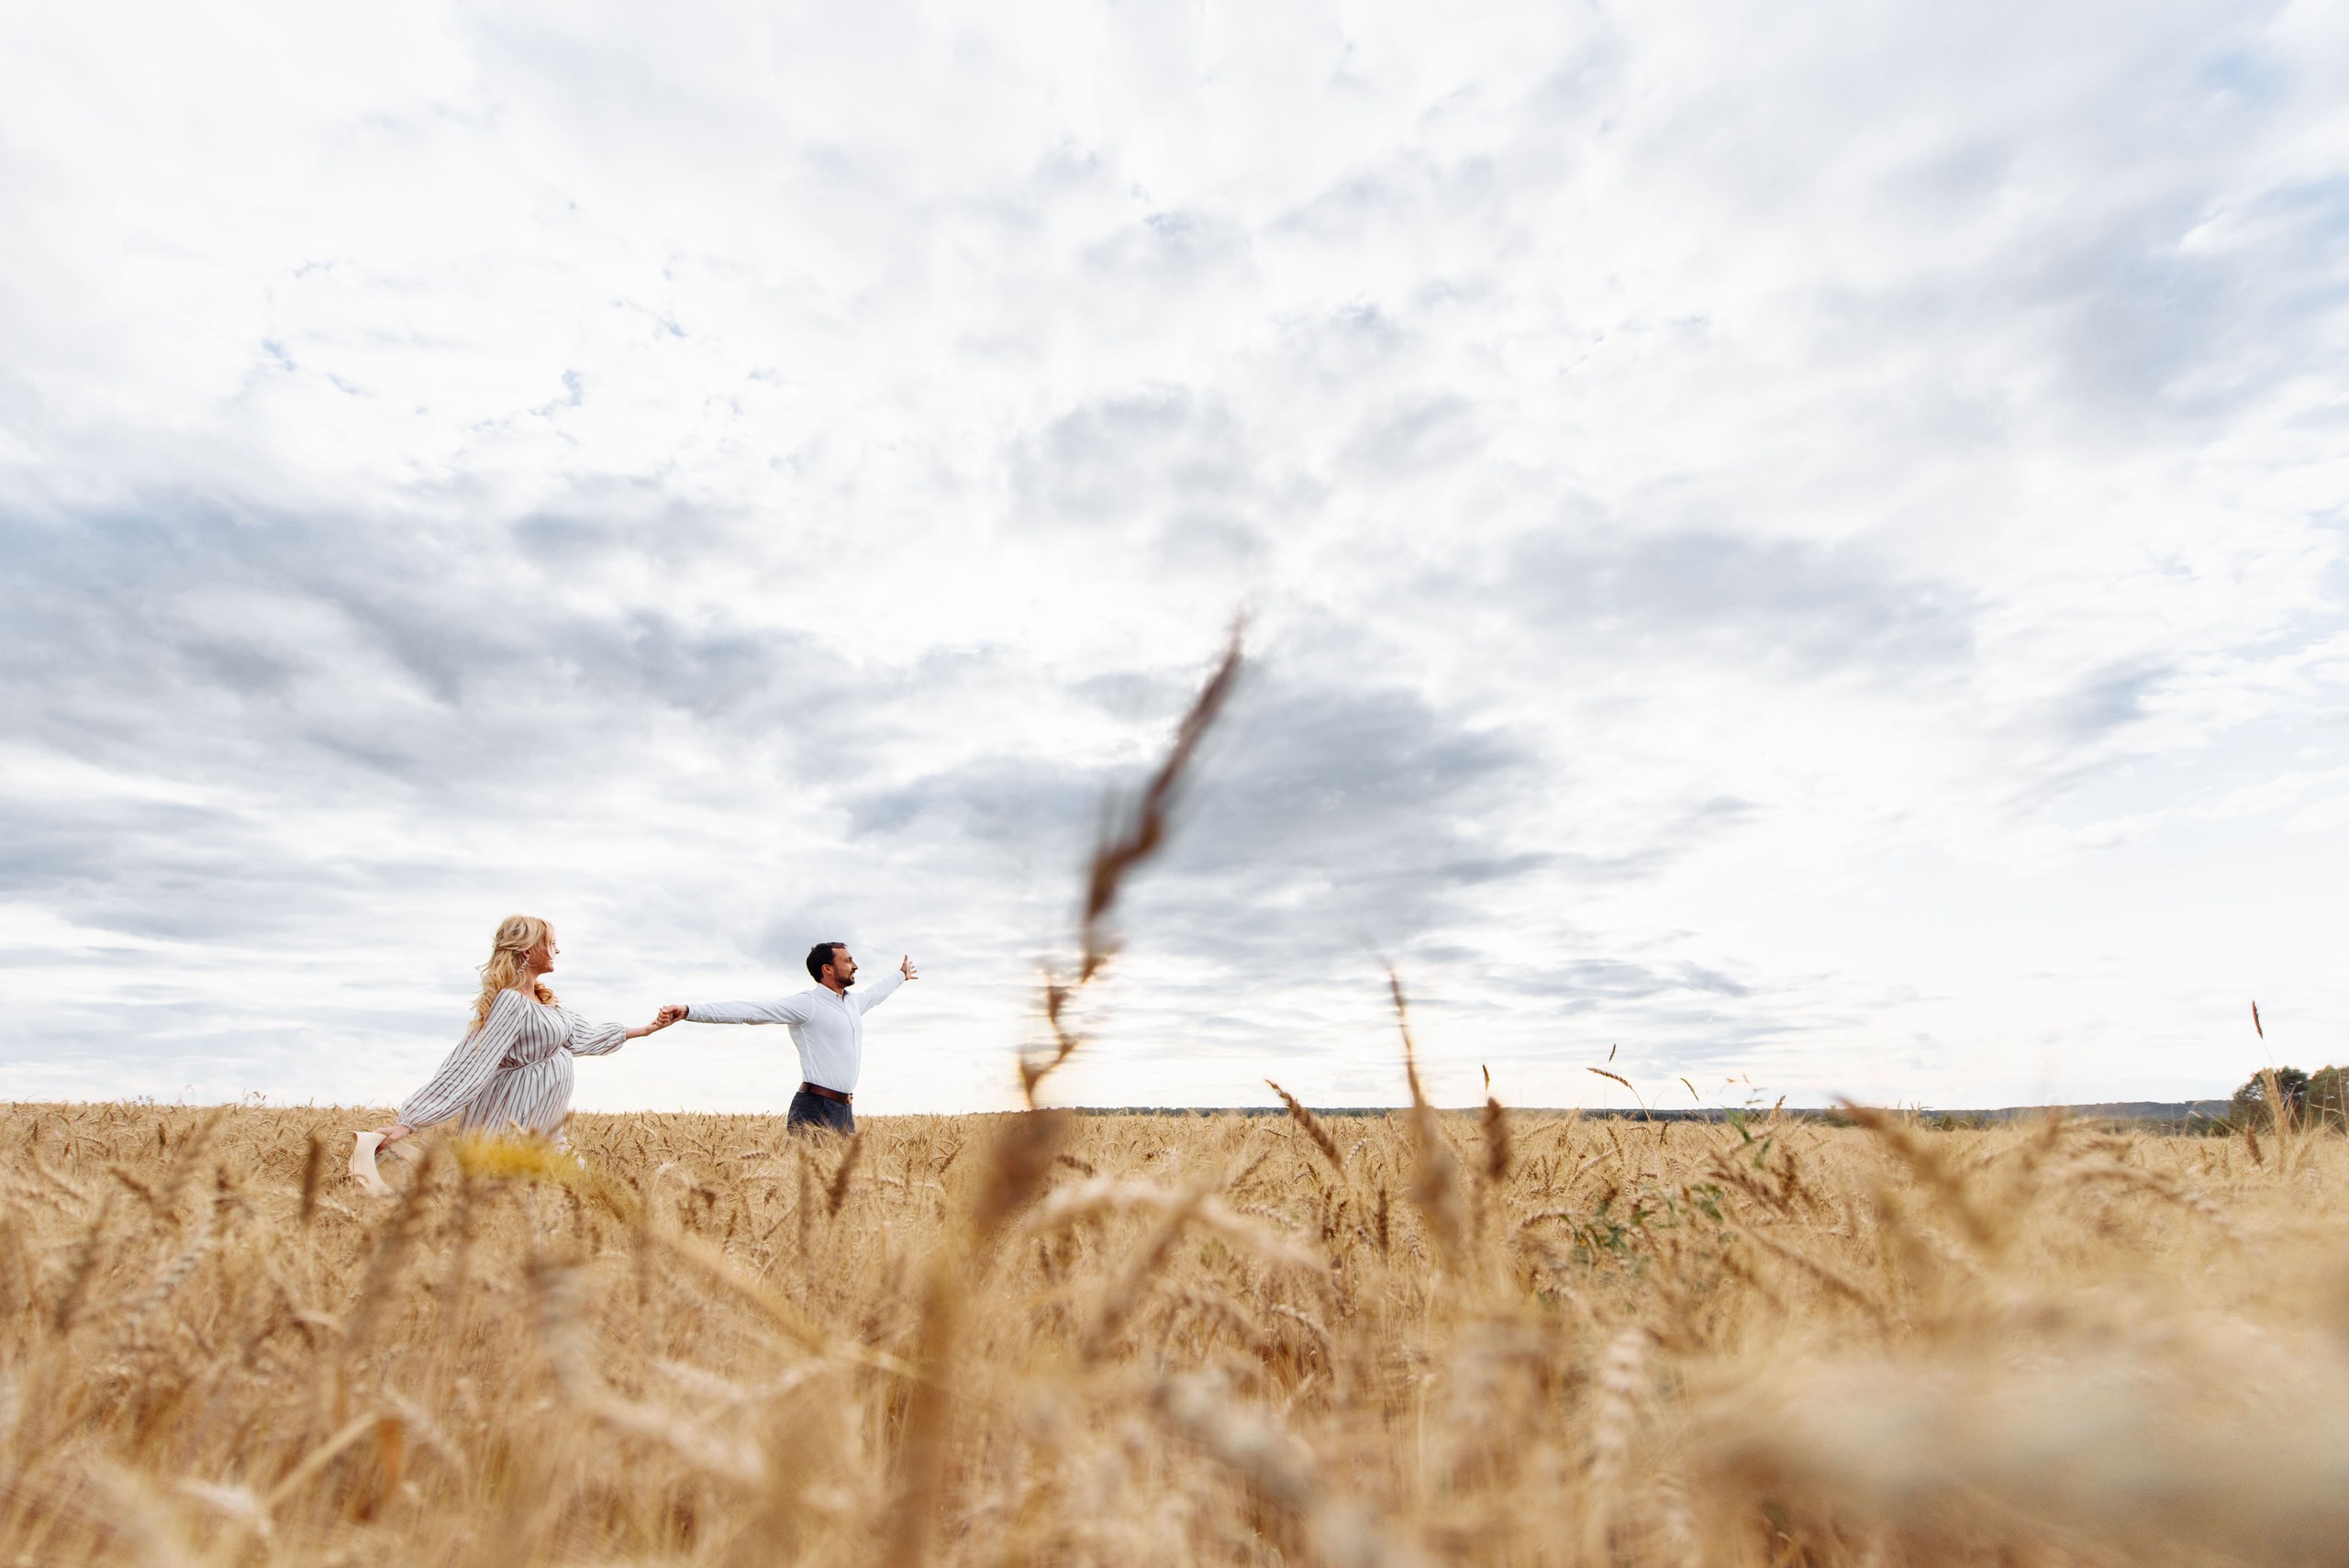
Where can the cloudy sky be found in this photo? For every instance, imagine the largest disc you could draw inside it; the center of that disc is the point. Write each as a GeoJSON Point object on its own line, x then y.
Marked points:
{"type": "Point", "coordinates": [1803, 546]}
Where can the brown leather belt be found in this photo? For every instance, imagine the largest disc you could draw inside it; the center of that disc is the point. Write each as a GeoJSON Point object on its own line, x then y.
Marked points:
{"type": "Point", "coordinates": [821, 1092]}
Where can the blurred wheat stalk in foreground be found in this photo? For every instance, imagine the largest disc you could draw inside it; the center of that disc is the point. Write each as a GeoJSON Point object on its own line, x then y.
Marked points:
{"type": "Point", "coordinates": [1530, 1338]}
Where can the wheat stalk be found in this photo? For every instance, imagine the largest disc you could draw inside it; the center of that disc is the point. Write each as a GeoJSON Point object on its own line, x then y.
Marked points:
{"type": "Point", "coordinates": [1312, 1127]}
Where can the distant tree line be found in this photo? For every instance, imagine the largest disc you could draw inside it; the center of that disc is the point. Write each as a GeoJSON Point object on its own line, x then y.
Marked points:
{"type": "Point", "coordinates": [2319, 1097]}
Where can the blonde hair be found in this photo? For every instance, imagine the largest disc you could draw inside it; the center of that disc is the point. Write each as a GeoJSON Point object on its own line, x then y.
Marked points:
{"type": "Point", "coordinates": [518, 935]}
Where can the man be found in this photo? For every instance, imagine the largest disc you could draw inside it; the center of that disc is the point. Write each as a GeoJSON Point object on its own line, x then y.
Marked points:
{"type": "Point", "coordinates": [827, 1025]}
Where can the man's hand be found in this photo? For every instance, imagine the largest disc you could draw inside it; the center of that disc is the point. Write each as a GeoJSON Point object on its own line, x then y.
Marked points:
{"type": "Point", "coordinates": [674, 1013]}
{"type": "Point", "coordinates": [906, 968]}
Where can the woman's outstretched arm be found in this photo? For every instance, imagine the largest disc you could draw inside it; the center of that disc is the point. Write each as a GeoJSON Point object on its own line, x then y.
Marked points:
{"type": "Point", "coordinates": [600, 1040]}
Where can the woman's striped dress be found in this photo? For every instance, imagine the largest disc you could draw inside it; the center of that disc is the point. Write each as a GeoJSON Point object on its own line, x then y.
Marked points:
{"type": "Point", "coordinates": [513, 1072]}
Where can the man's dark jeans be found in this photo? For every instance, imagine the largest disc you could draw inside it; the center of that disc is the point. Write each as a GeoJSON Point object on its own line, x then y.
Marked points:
{"type": "Point", "coordinates": [813, 1110]}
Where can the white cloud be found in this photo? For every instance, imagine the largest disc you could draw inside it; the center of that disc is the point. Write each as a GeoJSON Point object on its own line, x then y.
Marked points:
{"type": "Point", "coordinates": [1804, 547]}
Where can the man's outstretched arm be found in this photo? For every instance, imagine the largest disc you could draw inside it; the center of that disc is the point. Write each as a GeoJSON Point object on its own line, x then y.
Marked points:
{"type": "Point", "coordinates": [868, 1000]}
{"type": "Point", "coordinates": [787, 1011]}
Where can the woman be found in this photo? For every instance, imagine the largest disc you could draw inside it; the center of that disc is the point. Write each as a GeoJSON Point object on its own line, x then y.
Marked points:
{"type": "Point", "coordinates": [513, 1068]}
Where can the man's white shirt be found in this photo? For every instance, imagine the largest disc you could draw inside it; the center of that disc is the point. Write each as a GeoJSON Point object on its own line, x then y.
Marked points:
{"type": "Point", "coordinates": [828, 1028]}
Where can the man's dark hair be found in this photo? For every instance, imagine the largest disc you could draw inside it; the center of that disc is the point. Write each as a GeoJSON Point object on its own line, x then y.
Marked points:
{"type": "Point", "coordinates": [819, 955]}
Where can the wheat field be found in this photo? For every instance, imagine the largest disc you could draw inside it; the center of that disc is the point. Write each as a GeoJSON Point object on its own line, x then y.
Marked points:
{"type": "Point", "coordinates": [1042, 1338]}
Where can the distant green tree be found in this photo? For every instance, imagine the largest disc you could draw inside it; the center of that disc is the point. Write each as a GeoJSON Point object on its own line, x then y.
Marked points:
{"type": "Point", "coordinates": [2326, 1098]}
{"type": "Point", "coordinates": [2248, 1106]}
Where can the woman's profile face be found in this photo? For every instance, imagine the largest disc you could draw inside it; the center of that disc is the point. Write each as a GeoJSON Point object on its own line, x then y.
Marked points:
{"type": "Point", "coordinates": [542, 956]}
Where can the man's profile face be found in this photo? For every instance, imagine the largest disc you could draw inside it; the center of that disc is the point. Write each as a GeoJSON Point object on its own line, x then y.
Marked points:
{"type": "Point", "coordinates": [843, 968]}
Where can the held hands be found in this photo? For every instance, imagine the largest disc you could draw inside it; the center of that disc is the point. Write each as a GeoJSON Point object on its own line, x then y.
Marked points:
{"type": "Point", "coordinates": [661, 1021]}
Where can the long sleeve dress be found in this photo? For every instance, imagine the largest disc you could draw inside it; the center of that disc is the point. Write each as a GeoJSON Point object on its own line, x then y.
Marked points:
{"type": "Point", "coordinates": [513, 1070]}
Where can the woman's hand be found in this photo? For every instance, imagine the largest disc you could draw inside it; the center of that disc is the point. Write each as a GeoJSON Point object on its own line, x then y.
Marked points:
{"type": "Point", "coordinates": [661, 1021]}
{"type": "Point", "coordinates": [393, 1134]}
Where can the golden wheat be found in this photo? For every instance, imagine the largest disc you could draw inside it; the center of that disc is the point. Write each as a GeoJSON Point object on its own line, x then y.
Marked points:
{"type": "Point", "coordinates": [1176, 1339]}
